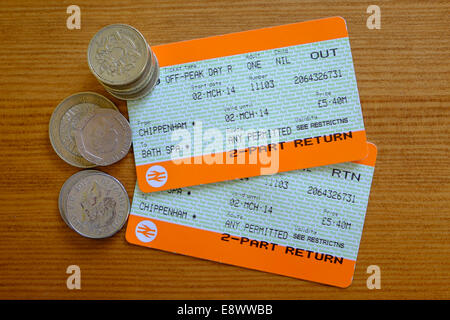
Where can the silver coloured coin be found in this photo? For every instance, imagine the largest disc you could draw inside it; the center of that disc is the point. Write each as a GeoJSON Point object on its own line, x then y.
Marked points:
{"type": "Point", "coordinates": [103, 137]}
{"type": "Point", "coordinates": [117, 54]}
{"type": "Point", "coordinates": [64, 121]}
{"type": "Point", "coordinates": [97, 205]}
{"type": "Point", "coordinates": [123, 62]}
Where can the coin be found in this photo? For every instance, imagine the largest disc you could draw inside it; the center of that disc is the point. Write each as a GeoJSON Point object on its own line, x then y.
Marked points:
{"type": "Point", "coordinates": [103, 136]}
{"type": "Point", "coordinates": [97, 205]}
{"type": "Point", "coordinates": [117, 54]}
{"type": "Point", "coordinates": [123, 62]}
{"type": "Point", "coordinates": [63, 124]}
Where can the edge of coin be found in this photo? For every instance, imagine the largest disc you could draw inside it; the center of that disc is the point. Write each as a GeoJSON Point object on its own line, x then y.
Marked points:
{"type": "Point", "coordinates": [67, 185]}
{"type": "Point", "coordinates": [145, 91]}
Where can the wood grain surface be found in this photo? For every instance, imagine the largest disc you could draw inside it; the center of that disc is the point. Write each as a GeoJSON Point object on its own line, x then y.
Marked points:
{"type": "Point", "coordinates": [403, 77]}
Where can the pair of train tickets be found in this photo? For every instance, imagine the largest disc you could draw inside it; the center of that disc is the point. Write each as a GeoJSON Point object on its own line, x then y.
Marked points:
{"type": "Point", "coordinates": [252, 151]}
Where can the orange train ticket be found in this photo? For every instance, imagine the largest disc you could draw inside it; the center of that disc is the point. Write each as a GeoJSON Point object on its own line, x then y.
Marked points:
{"type": "Point", "coordinates": [305, 224]}
{"type": "Point", "coordinates": [249, 103]}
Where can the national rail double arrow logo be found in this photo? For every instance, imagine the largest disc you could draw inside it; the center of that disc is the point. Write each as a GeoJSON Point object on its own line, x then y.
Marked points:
{"type": "Point", "coordinates": [146, 231]}
{"type": "Point", "coordinates": [156, 176]}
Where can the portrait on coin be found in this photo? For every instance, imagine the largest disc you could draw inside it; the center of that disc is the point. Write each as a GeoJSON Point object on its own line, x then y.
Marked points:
{"type": "Point", "coordinates": [104, 136]}
{"type": "Point", "coordinates": [98, 210]}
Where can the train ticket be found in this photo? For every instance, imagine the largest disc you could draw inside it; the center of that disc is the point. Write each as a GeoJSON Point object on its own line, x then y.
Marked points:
{"type": "Point", "coordinates": [305, 224]}
{"type": "Point", "coordinates": [249, 103]}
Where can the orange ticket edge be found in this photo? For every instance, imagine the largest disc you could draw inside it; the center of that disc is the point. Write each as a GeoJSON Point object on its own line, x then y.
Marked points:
{"type": "Point", "coordinates": [250, 41]}
{"type": "Point", "coordinates": [371, 157]}
{"type": "Point", "coordinates": [208, 245]}
{"type": "Point", "coordinates": [196, 171]}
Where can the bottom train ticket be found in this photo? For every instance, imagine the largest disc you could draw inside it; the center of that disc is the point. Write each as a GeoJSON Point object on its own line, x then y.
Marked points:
{"type": "Point", "coordinates": [305, 224]}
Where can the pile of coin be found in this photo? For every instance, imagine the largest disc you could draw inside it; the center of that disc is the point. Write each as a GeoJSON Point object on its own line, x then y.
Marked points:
{"type": "Point", "coordinates": [87, 130]}
{"type": "Point", "coordinates": [94, 204]}
{"type": "Point", "coordinates": [123, 62]}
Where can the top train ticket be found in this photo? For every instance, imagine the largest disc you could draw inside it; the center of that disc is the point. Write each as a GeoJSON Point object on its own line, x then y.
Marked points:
{"type": "Point", "coordinates": [249, 103]}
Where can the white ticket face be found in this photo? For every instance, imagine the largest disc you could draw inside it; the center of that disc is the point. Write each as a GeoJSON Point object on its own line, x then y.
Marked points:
{"type": "Point", "coordinates": [279, 99]}
{"type": "Point", "coordinates": [305, 223]}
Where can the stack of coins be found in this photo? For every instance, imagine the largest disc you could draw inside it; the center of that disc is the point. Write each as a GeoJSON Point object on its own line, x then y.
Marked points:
{"type": "Point", "coordinates": [122, 61]}
{"type": "Point", "coordinates": [94, 204]}
{"type": "Point", "coordinates": [87, 130]}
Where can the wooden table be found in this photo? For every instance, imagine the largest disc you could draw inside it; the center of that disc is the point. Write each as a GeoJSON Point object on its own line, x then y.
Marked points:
{"type": "Point", "coordinates": [403, 77]}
